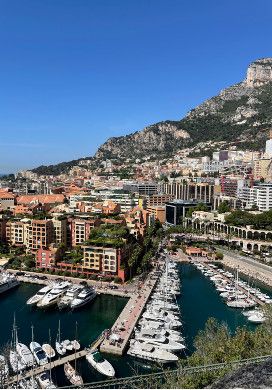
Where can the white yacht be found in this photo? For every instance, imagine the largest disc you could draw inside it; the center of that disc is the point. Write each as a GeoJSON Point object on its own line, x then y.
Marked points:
{"type": "Point", "coordinates": [171, 334]}
{"type": "Point", "coordinates": [45, 381]}
{"type": "Point", "coordinates": [257, 318]}
{"type": "Point", "coordinates": [150, 352]}
{"type": "Point", "coordinates": [84, 297]}
{"type": "Point", "coordinates": [7, 282]}
{"type": "Point", "coordinates": [70, 294]}
{"type": "Point", "coordinates": [39, 295]}
{"type": "Point", "coordinates": [60, 348]}
{"type": "Point", "coordinates": [160, 341]}
{"type": "Point", "coordinates": [49, 351]}
{"type": "Point", "coordinates": [67, 345]}
{"type": "Point", "coordinates": [52, 297]}
{"type": "Point", "coordinates": [100, 364]}
{"type": "Point", "coordinates": [72, 375]}
{"type": "Point", "coordinates": [25, 354]}
{"type": "Point", "coordinates": [38, 353]}
{"type": "Point", "coordinates": [16, 362]}
{"type": "Point", "coordinates": [4, 370]}
{"type": "Point", "coordinates": [75, 344]}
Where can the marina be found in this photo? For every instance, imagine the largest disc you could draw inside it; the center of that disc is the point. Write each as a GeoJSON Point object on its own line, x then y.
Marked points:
{"type": "Point", "coordinates": [99, 315]}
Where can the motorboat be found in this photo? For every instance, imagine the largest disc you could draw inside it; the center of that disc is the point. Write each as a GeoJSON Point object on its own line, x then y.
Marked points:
{"type": "Point", "coordinates": [25, 354]}
{"type": "Point", "coordinates": [16, 362]}
{"type": "Point", "coordinates": [67, 345]}
{"type": "Point", "coordinates": [4, 370]}
{"type": "Point", "coordinates": [39, 295]}
{"type": "Point", "coordinates": [150, 352]}
{"type": "Point", "coordinates": [241, 304]}
{"type": "Point", "coordinates": [7, 282]}
{"type": "Point", "coordinates": [52, 297]}
{"type": "Point", "coordinates": [60, 348]}
{"type": "Point", "coordinates": [100, 363]}
{"type": "Point", "coordinates": [257, 318]}
{"type": "Point", "coordinates": [72, 375]}
{"type": "Point", "coordinates": [160, 341]}
{"type": "Point", "coordinates": [70, 294]}
{"type": "Point", "coordinates": [75, 344]}
{"type": "Point", "coordinates": [249, 313]}
{"type": "Point", "coordinates": [45, 381]}
{"type": "Point", "coordinates": [30, 383]}
{"type": "Point", "coordinates": [49, 351]}
{"type": "Point", "coordinates": [171, 334]}
{"type": "Point", "coordinates": [84, 297]}
{"type": "Point", "coordinates": [38, 353]}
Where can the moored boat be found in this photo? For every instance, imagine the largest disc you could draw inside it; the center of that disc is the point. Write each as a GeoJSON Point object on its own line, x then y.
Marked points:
{"type": "Point", "coordinates": [72, 375]}
{"type": "Point", "coordinates": [100, 363]}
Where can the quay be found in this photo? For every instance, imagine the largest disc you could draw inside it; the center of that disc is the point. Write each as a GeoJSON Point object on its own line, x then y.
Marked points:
{"type": "Point", "coordinates": [101, 288]}
{"type": "Point", "coordinates": [241, 289]}
{"type": "Point", "coordinates": [116, 343]}
{"type": "Point", "coordinates": [55, 363]}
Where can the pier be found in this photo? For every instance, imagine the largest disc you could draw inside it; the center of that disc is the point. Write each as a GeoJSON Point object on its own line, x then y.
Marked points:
{"type": "Point", "coordinates": [55, 363]}
{"type": "Point", "coordinates": [116, 342]}
{"type": "Point", "coordinates": [100, 287]}
{"type": "Point", "coordinates": [241, 289]}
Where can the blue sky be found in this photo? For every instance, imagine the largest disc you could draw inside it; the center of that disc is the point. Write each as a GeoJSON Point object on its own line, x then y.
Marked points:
{"type": "Point", "coordinates": [75, 72]}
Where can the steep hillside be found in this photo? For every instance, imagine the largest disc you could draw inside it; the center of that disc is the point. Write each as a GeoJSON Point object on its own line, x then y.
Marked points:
{"type": "Point", "coordinates": [239, 115]}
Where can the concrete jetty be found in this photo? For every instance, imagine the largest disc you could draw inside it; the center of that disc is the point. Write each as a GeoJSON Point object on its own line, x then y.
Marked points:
{"type": "Point", "coordinates": [57, 362]}
{"type": "Point", "coordinates": [117, 340]}
{"type": "Point", "coordinates": [241, 289]}
{"type": "Point", "coordinates": [101, 288]}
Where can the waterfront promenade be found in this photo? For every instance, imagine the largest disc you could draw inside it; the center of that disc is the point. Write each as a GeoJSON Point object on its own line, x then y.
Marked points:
{"type": "Point", "coordinates": [118, 338]}
{"type": "Point", "coordinates": [125, 291]}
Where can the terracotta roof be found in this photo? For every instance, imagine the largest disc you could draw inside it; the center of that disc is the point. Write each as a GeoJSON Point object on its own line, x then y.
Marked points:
{"type": "Point", "coordinates": [26, 199]}
{"type": "Point", "coordinates": [6, 195]}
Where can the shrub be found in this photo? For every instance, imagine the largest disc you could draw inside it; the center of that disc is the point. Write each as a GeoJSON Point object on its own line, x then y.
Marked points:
{"type": "Point", "coordinates": [117, 279]}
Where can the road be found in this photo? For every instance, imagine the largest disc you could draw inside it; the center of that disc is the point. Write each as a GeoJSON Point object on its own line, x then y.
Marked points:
{"type": "Point", "coordinates": [248, 260]}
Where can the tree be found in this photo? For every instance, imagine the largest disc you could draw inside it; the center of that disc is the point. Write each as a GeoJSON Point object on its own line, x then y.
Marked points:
{"type": "Point", "coordinates": [223, 207]}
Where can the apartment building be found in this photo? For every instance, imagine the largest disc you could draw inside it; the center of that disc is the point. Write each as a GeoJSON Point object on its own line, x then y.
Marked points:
{"type": "Point", "coordinates": [261, 196]}
{"type": "Point", "coordinates": [261, 168]}
{"type": "Point", "coordinates": [60, 231]}
{"type": "Point", "coordinates": [47, 258]}
{"type": "Point", "coordinates": [158, 200]}
{"type": "Point", "coordinates": [7, 200]}
{"type": "Point", "coordinates": [17, 232]}
{"type": "Point", "coordinates": [189, 190]}
{"type": "Point", "coordinates": [156, 213]}
{"type": "Point", "coordinates": [80, 230]}
{"type": "Point", "coordinates": [40, 233]}
{"type": "Point", "coordinates": [105, 260]}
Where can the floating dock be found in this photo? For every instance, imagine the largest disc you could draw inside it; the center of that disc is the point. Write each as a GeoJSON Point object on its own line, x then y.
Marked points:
{"type": "Point", "coordinates": [241, 289]}
{"type": "Point", "coordinates": [57, 362]}
{"type": "Point", "coordinates": [117, 340]}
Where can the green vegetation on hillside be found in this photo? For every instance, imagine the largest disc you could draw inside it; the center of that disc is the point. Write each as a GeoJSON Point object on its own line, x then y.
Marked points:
{"type": "Point", "coordinates": [244, 218]}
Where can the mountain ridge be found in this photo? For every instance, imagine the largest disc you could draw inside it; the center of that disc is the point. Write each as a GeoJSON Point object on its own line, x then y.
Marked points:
{"type": "Point", "coordinates": [238, 115]}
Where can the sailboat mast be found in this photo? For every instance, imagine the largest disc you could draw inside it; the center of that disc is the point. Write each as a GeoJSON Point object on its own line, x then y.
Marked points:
{"type": "Point", "coordinates": [50, 374]}
{"type": "Point", "coordinates": [32, 339]}
{"type": "Point", "coordinates": [75, 345]}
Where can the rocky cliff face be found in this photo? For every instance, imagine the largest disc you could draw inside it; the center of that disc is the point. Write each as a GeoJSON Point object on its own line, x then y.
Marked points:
{"type": "Point", "coordinates": [159, 138]}
{"type": "Point", "coordinates": [259, 72]}
{"type": "Point", "coordinates": [239, 115]}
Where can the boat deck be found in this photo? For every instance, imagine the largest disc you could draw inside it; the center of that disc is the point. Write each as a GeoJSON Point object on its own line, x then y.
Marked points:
{"type": "Point", "coordinates": [55, 363]}
{"type": "Point", "coordinates": [241, 289]}
{"type": "Point", "coordinates": [125, 323]}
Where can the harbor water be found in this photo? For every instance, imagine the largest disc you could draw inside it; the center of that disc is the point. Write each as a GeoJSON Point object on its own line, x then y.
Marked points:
{"type": "Point", "coordinates": [198, 301]}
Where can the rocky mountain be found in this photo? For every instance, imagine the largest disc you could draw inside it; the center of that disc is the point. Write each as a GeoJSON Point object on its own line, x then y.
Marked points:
{"type": "Point", "coordinates": [239, 115]}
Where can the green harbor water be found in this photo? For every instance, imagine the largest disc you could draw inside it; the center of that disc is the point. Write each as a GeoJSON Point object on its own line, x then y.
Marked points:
{"type": "Point", "coordinates": [198, 301]}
